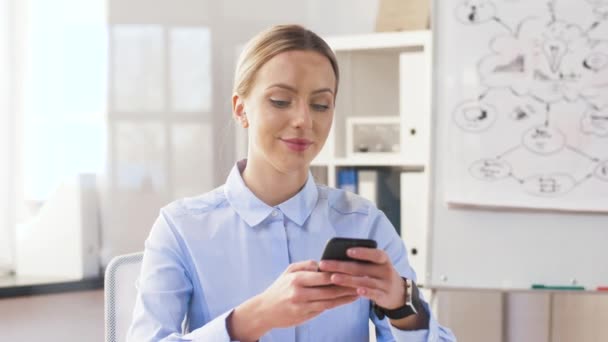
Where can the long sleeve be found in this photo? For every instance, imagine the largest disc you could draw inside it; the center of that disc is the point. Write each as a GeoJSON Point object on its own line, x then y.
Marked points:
{"type": "Point", "coordinates": [435, 332]}
{"type": "Point", "coordinates": [392, 244]}
{"type": "Point", "coordinates": [165, 290]}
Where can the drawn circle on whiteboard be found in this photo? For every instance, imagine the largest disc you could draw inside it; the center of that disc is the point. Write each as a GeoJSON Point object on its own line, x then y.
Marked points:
{"type": "Point", "coordinates": [490, 169]}
{"type": "Point", "coordinates": [600, 6]}
{"type": "Point", "coordinates": [596, 61]}
{"type": "Point", "coordinates": [601, 10]}
{"type": "Point", "coordinates": [595, 122]}
{"type": "Point", "coordinates": [601, 171]}
{"type": "Point", "coordinates": [544, 140]}
{"type": "Point", "coordinates": [474, 116]}
{"type": "Point", "coordinates": [550, 185]}
{"type": "Point", "coordinates": [475, 11]}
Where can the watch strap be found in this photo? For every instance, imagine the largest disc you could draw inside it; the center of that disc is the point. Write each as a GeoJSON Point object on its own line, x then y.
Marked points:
{"type": "Point", "coordinates": [408, 309]}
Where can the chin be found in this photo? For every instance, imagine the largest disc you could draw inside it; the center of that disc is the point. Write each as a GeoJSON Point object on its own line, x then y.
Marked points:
{"type": "Point", "coordinates": [294, 163]}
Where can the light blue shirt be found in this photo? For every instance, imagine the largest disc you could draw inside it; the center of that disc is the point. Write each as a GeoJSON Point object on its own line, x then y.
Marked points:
{"type": "Point", "coordinates": [208, 254]}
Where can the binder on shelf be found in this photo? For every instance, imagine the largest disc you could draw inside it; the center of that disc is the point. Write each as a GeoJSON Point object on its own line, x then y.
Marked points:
{"type": "Point", "coordinates": [380, 185]}
{"type": "Point", "coordinates": [367, 185]}
{"type": "Point", "coordinates": [347, 179]}
{"type": "Point", "coordinates": [414, 221]}
{"type": "Point", "coordinates": [389, 196]}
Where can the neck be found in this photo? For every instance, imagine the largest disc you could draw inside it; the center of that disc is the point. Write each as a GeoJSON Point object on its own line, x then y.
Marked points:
{"type": "Point", "coordinates": [270, 185]}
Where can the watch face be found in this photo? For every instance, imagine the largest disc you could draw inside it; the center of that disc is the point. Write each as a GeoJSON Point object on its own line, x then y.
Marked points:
{"type": "Point", "coordinates": [412, 293]}
{"type": "Point", "coordinates": [408, 291]}
{"type": "Point", "coordinates": [412, 308]}
{"type": "Point", "coordinates": [411, 298]}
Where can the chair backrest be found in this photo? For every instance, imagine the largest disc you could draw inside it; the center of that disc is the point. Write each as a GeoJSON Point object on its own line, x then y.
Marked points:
{"type": "Point", "coordinates": [120, 294]}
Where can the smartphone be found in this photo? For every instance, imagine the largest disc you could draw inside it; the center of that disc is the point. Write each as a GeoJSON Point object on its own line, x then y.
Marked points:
{"type": "Point", "coordinates": [335, 249]}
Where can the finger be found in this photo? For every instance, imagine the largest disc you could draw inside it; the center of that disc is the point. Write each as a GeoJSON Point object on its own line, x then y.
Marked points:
{"type": "Point", "coordinates": [312, 278]}
{"type": "Point", "coordinates": [374, 255]}
{"type": "Point", "coordinates": [353, 268]}
{"type": "Point", "coordinates": [357, 282]}
{"type": "Point", "coordinates": [323, 305]}
{"type": "Point", "coordinates": [372, 294]}
{"type": "Point", "coordinates": [328, 292]}
{"type": "Point", "coordinates": [308, 265]}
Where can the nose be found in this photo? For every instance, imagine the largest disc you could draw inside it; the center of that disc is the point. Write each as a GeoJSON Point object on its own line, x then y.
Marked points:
{"type": "Point", "coordinates": [302, 117]}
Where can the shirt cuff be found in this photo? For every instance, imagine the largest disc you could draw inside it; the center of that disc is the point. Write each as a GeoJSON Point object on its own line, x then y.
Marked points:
{"type": "Point", "coordinates": [424, 335]}
{"type": "Point", "coordinates": [214, 330]}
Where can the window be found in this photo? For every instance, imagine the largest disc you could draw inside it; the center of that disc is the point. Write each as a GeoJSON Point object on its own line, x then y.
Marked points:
{"type": "Point", "coordinates": [53, 103]}
{"type": "Point", "coordinates": [65, 93]}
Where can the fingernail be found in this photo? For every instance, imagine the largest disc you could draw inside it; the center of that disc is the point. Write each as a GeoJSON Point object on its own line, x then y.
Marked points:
{"type": "Point", "coordinates": [361, 291]}
{"type": "Point", "coordinates": [351, 252]}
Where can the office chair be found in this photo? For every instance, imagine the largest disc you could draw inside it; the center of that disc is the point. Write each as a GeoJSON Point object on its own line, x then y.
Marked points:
{"type": "Point", "coordinates": [120, 294]}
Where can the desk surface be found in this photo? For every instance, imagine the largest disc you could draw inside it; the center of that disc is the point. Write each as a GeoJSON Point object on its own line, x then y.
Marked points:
{"type": "Point", "coordinates": [12, 286]}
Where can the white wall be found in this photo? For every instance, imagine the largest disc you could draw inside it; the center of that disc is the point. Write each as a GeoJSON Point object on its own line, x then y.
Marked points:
{"type": "Point", "coordinates": [128, 215]}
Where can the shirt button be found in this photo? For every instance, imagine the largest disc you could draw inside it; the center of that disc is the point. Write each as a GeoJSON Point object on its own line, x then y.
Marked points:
{"type": "Point", "coordinates": [274, 213]}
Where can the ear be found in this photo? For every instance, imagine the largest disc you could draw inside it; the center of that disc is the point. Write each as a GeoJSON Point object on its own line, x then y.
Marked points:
{"type": "Point", "coordinates": [238, 110]}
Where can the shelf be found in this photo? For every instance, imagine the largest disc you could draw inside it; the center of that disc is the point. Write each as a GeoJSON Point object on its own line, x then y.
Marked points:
{"type": "Point", "coordinates": [383, 40]}
{"type": "Point", "coordinates": [371, 162]}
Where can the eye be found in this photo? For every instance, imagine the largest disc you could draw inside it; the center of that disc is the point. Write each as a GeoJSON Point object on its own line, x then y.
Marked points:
{"type": "Point", "coordinates": [280, 103]}
{"type": "Point", "coordinates": [319, 107]}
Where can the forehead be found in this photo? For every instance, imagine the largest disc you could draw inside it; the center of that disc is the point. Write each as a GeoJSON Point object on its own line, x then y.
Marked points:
{"type": "Point", "coordinates": [299, 68]}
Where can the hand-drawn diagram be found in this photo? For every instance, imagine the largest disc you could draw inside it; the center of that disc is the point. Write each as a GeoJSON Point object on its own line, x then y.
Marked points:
{"type": "Point", "coordinates": [551, 67]}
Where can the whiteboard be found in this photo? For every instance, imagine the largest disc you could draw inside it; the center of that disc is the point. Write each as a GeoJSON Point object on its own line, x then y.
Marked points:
{"type": "Point", "coordinates": [505, 241]}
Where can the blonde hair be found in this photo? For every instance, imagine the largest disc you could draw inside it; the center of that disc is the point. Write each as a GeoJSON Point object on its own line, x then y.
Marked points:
{"type": "Point", "coordinates": [271, 42]}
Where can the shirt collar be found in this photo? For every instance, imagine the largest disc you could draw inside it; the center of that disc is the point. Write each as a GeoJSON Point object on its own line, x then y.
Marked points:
{"type": "Point", "coordinates": [299, 207]}
{"type": "Point", "coordinates": [254, 211]}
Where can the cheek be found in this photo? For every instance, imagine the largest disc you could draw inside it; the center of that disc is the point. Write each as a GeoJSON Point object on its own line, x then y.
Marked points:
{"type": "Point", "coordinates": [323, 123]}
{"type": "Point", "coordinates": [265, 127]}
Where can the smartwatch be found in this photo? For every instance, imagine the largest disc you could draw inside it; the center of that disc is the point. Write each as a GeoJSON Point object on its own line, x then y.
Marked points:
{"type": "Point", "coordinates": [412, 301]}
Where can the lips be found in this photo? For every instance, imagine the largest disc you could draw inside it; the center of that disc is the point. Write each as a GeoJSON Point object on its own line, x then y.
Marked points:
{"type": "Point", "coordinates": [297, 144]}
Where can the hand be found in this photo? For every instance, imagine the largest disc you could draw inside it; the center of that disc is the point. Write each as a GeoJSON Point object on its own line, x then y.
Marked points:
{"type": "Point", "coordinates": [376, 280]}
{"type": "Point", "coordinates": [297, 295]}
{"type": "Point", "coordinates": [301, 293]}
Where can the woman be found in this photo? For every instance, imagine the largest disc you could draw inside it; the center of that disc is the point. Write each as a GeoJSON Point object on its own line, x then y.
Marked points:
{"type": "Point", "coordinates": [238, 261]}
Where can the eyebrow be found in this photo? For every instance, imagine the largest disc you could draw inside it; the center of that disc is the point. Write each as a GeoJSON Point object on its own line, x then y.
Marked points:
{"type": "Point", "coordinates": [290, 88]}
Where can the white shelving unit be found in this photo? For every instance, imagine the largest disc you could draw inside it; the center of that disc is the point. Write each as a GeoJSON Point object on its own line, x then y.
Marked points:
{"type": "Point", "coordinates": [385, 75]}
{"type": "Point", "coordinates": [382, 74]}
